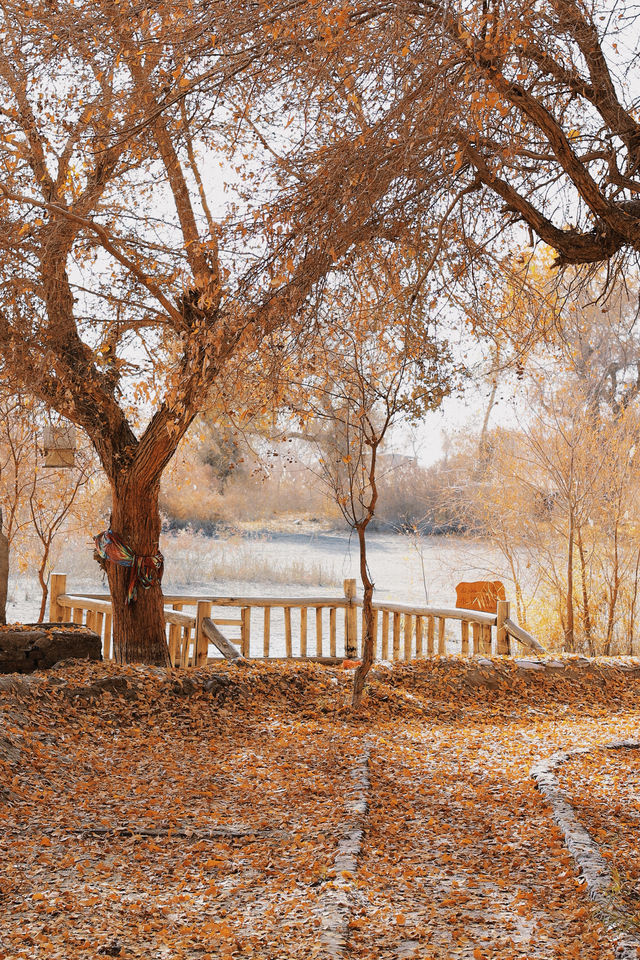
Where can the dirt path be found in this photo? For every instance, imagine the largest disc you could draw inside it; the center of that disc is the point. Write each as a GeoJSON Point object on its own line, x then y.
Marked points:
{"type": "Point", "coordinates": [257, 818]}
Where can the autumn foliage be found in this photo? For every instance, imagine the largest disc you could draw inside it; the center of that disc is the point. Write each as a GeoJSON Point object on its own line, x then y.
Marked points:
{"type": "Point", "coordinates": [203, 814]}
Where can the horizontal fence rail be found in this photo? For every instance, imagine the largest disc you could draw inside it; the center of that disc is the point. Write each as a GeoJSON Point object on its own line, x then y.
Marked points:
{"type": "Point", "coordinates": [325, 628]}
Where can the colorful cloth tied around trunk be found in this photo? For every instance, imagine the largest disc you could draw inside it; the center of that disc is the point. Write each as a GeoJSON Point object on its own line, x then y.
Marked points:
{"type": "Point", "coordinates": [144, 570]}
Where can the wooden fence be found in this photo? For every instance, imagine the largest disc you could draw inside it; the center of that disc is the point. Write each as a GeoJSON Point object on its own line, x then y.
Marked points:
{"type": "Point", "coordinates": [336, 623]}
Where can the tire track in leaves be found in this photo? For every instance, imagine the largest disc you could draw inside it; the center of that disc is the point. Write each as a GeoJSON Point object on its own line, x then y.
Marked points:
{"type": "Point", "coordinates": [335, 903]}
{"type": "Point", "coordinates": [461, 859]}
{"type": "Point", "coordinates": [583, 848]}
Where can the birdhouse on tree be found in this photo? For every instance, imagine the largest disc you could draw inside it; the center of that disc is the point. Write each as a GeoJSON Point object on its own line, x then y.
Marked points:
{"type": "Point", "coordinates": [59, 445]}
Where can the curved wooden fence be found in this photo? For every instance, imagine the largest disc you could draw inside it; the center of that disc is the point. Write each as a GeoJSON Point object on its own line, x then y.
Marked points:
{"type": "Point", "coordinates": [325, 628]}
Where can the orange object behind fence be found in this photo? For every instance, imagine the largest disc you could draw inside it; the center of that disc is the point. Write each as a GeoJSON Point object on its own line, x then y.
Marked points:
{"type": "Point", "coordinates": [480, 595]}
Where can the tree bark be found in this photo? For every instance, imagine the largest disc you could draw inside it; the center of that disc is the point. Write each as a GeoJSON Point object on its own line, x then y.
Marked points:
{"type": "Point", "coordinates": [367, 605]}
{"type": "Point", "coordinates": [569, 635]}
{"type": "Point", "coordinates": [586, 613]}
{"type": "Point", "coordinates": [4, 573]}
{"type": "Point", "coordinates": [138, 627]}
{"type": "Point", "coordinates": [44, 583]}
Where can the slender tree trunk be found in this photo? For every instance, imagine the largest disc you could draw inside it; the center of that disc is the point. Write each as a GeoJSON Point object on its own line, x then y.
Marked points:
{"type": "Point", "coordinates": [613, 596]}
{"type": "Point", "coordinates": [632, 610]}
{"type": "Point", "coordinates": [367, 605]}
{"type": "Point", "coordinates": [586, 613]}
{"type": "Point", "coordinates": [138, 627]}
{"type": "Point", "coordinates": [569, 633]}
{"type": "Point", "coordinates": [4, 573]}
{"type": "Point", "coordinates": [44, 585]}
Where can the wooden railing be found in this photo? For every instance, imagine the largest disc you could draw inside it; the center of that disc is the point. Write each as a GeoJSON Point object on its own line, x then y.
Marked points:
{"type": "Point", "coordinates": [258, 624]}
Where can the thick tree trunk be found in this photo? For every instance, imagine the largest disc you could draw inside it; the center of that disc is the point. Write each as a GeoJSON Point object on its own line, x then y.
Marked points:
{"type": "Point", "coordinates": [139, 627]}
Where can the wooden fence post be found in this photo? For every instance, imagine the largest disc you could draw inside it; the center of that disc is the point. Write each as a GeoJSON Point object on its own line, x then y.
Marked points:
{"type": "Point", "coordinates": [430, 636]}
{"type": "Point", "coordinates": [266, 632]}
{"type": "Point", "coordinates": [464, 642]}
{"type": "Point", "coordinates": [57, 587]}
{"type": "Point", "coordinates": [203, 609]}
{"type": "Point", "coordinates": [332, 632]}
{"type": "Point", "coordinates": [408, 636]}
{"type": "Point", "coordinates": [503, 613]}
{"type": "Point", "coordinates": [303, 631]}
{"type": "Point", "coordinates": [318, 631]}
{"type": "Point", "coordinates": [396, 634]}
{"type": "Point", "coordinates": [107, 646]}
{"type": "Point", "coordinates": [385, 635]}
{"type": "Point", "coordinates": [245, 633]}
{"type": "Point", "coordinates": [287, 633]}
{"type": "Point", "coordinates": [418, 637]}
{"type": "Point", "coordinates": [351, 622]}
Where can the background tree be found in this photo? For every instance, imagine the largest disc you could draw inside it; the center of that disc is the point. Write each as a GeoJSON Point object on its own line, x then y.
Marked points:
{"type": "Point", "coordinates": [374, 360]}
{"type": "Point", "coordinates": [39, 503]}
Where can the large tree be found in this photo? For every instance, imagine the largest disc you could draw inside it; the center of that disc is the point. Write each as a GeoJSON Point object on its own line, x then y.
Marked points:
{"type": "Point", "coordinates": [125, 289]}
{"type": "Point", "coordinates": [535, 104]}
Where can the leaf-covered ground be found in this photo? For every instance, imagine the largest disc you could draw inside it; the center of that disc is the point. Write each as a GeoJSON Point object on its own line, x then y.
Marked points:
{"type": "Point", "coordinates": [202, 814]}
{"type": "Point", "coordinates": [603, 787]}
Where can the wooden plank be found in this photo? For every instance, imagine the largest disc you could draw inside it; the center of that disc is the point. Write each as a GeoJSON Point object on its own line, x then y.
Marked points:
{"type": "Point", "coordinates": [182, 619]}
{"type": "Point", "coordinates": [266, 631]}
{"type": "Point", "coordinates": [350, 621]}
{"type": "Point", "coordinates": [442, 646]}
{"type": "Point", "coordinates": [201, 642]}
{"type": "Point", "coordinates": [287, 632]}
{"type": "Point", "coordinates": [485, 639]}
{"type": "Point", "coordinates": [430, 636]}
{"type": "Point", "coordinates": [303, 631]}
{"type": "Point", "coordinates": [502, 637]}
{"type": "Point", "coordinates": [107, 644]}
{"type": "Point", "coordinates": [375, 634]}
{"type": "Point", "coordinates": [419, 625]}
{"type": "Point", "coordinates": [318, 631]}
{"type": "Point", "coordinates": [475, 632]}
{"type": "Point", "coordinates": [385, 635]}
{"type": "Point", "coordinates": [450, 613]}
{"type": "Point", "coordinates": [57, 586]}
{"type": "Point", "coordinates": [332, 631]}
{"type": "Point", "coordinates": [245, 632]}
{"type": "Point", "coordinates": [75, 601]}
{"type": "Point", "coordinates": [523, 636]}
{"type": "Point", "coordinates": [184, 652]}
{"type": "Point", "coordinates": [211, 632]}
{"type": "Point", "coordinates": [396, 635]}
{"type": "Point", "coordinates": [174, 639]}
{"type": "Point", "coordinates": [216, 601]}
{"type": "Point", "coordinates": [78, 615]}
{"type": "Point", "coordinates": [464, 643]}
{"type": "Point", "coordinates": [408, 631]}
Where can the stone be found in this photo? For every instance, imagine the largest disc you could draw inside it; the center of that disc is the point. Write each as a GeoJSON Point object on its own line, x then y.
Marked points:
{"type": "Point", "coordinates": [38, 646]}
{"type": "Point", "coordinates": [530, 665]}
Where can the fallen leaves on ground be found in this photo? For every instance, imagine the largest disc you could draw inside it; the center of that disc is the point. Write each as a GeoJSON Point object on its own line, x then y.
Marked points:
{"type": "Point", "coordinates": [197, 814]}
{"type": "Point", "coordinates": [603, 788]}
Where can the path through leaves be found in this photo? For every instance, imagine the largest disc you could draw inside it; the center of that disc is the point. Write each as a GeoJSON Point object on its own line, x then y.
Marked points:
{"type": "Point", "coordinates": [202, 814]}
